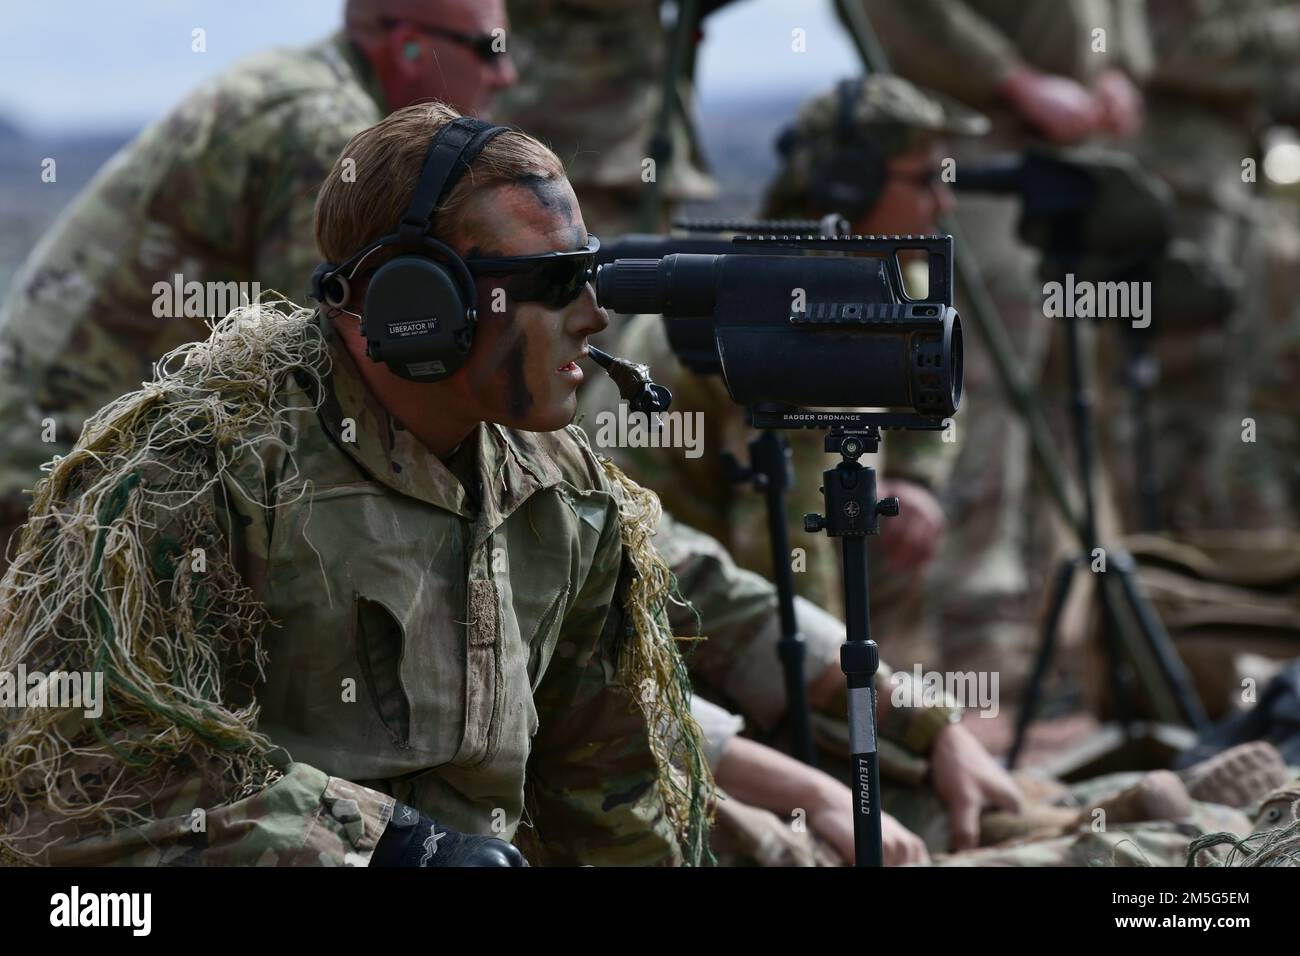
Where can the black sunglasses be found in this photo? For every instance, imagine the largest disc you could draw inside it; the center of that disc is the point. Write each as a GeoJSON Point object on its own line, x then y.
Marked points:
{"type": "Point", "coordinates": [552, 278]}
{"type": "Point", "coordinates": [483, 44]}
{"type": "Point", "coordinates": [930, 178]}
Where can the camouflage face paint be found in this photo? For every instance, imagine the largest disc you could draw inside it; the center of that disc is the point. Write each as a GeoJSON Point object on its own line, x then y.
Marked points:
{"type": "Point", "coordinates": [518, 398]}
{"type": "Point", "coordinates": [554, 196]}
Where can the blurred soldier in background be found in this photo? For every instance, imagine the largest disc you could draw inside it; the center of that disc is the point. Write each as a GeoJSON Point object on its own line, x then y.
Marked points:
{"type": "Point", "coordinates": [219, 191]}
{"type": "Point", "coordinates": [1041, 70]}
{"type": "Point", "coordinates": [593, 72]}
{"type": "Point", "coordinates": [1224, 70]}
{"type": "Point", "coordinates": [883, 124]}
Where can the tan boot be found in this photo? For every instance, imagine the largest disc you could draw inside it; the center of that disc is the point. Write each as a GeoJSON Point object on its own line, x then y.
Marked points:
{"type": "Point", "coordinates": [1238, 777]}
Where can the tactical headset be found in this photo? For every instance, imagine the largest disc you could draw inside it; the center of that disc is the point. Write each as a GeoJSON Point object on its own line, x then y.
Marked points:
{"type": "Point", "coordinates": [421, 306]}
{"type": "Point", "coordinates": [849, 179]}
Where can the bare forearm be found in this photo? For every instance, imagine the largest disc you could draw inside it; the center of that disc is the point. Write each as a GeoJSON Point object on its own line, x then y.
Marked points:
{"type": "Point", "coordinates": [767, 778]}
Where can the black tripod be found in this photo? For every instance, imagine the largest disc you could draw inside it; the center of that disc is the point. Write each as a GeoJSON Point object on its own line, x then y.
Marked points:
{"type": "Point", "coordinates": [1118, 588]}
{"type": "Point", "coordinates": [852, 513]}
{"type": "Point", "coordinates": [770, 472]}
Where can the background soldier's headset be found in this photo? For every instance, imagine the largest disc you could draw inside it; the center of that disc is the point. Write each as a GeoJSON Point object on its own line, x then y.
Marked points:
{"type": "Point", "coordinates": [421, 306]}
{"type": "Point", "coordinates": [848, 180]}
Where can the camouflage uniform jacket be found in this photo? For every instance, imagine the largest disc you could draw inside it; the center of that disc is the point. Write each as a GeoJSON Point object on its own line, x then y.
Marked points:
{"type": "Point", "coordinates": [220, 190]}
{"type": "Point", "coordinates": [451, 647]}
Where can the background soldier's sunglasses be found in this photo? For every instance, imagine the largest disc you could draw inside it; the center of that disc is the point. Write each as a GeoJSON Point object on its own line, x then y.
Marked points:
{"type": "Point", "coordinates": [930, 178]}
{"type": "Point", "coordinates": [553, 279]}
{"type": "Point", "coordinates": [483, 44]}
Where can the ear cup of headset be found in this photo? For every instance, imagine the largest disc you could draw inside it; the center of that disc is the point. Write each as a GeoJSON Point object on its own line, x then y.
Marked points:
{"type": "Point", "coordinates": [849, 180]}
{"type": "Point", "coordinates": [329, 287]}
{"type": "Point", "coordinates": [419, 311]}
{"type": "Point", "coordinates": [417, 320]}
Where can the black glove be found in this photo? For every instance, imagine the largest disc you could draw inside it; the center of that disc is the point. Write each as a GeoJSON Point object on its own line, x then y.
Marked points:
{"type": "Point", "coordinates": [414, 840]}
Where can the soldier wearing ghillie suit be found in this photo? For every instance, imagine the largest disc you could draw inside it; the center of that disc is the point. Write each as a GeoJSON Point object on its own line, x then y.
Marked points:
{"type": "Point", "coordinates": [339, 612]}
{"type": "Point", "coordinates": [219, 193]}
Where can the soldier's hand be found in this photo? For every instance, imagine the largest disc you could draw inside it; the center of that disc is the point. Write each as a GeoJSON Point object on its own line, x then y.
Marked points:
{"type": "Point", "coordinates": [1061, 109]}
{"type": "Point", "coordinates": [832, 820]}
{"type": "Point", "coordinates": [911, 539]}
{"type": "Point", "coordinates": [969, 780]}
{"type": "Point", "coordinates": [1121, 103]}
{"type": "Point", "coordinates": [901, 845]}
{"type": "Point", "coordinates": [412, 839]}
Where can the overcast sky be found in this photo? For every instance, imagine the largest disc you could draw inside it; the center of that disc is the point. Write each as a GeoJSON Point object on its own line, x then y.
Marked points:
{"type": "Point", "coordinates": [108, 64]}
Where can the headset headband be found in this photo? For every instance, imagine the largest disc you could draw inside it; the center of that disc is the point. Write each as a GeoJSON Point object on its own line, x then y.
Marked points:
{"type": "Point", "coordinates": [450, 155]}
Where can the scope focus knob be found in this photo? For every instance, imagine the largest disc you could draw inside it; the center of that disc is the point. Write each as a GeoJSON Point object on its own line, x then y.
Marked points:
{"type": "Point", "coordinates": [887, 507]}
{"type": "Point", "coordinates": [632, 288]}
{"type": "Point", "coordinates": [813, 523]}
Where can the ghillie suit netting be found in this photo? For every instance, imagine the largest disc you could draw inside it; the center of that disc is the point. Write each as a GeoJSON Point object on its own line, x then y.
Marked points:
{"type": "Point", "coordinates": [121, 570]}
{"type": "Point", "coordinates": [1278, 846]}
{"type": "Point", "coordinates": [654, 670]}
{"type": "Point", "coordinates": [124, 569]}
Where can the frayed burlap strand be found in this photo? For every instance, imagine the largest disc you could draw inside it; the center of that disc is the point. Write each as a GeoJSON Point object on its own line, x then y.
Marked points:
{"type": "Point", "coordinates": [1278, 847]}
{"type": "Point", "coordinates": [121, 569]}
{"type": "Point", "coordinates": [654, 671]}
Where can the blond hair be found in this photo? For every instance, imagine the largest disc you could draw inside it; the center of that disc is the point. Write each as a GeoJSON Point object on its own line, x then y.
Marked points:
{"type": "Point", "coordinates": [382, 166]}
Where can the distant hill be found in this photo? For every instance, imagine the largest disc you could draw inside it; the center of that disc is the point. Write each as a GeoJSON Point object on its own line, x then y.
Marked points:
{"type": "Point", "coordinates": [10, 132]}
{"type": "Point", "coordinates": [30, 204]}
{"type": "Point", "coordinates": [738, 134]}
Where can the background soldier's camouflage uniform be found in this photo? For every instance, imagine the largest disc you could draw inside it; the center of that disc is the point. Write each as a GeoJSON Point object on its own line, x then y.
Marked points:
{"type": "Point", "coordinates": [591, 87]}
{"type": "Point", "coordinates": [221, 189]}
{"type": "Point", "coordinates": [1224, 69]}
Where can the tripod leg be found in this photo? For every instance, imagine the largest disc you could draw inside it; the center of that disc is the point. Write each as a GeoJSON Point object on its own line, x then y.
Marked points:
{"type": "Point", "coordinates": [1121, 697]}
{"type": "Point", "coordinates": [1046, 650]}
{"type": "Point", "coordinates": [1170, 664]}
{"type": "Point", "coordinates": [770, 456]}
{"type": "Point", "coordinates": [860, 659]}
